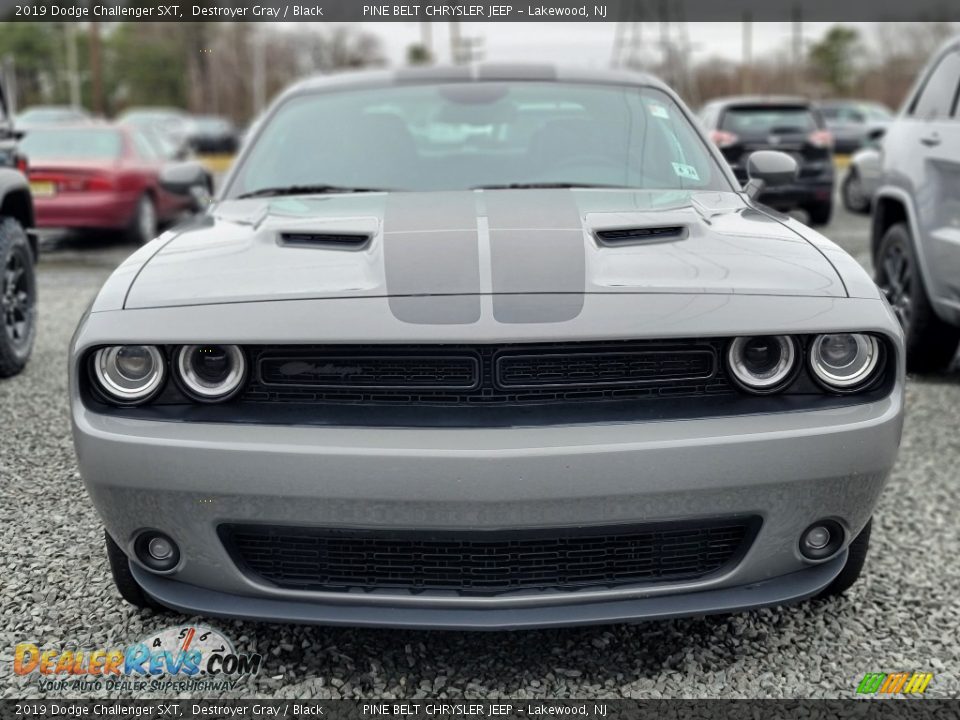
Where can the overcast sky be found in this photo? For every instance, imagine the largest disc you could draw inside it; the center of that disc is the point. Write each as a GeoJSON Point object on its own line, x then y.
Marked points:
{"type": "Point", "coordinates": [591, 44]}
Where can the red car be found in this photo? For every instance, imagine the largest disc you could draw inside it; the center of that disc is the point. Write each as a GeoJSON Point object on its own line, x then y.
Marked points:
{"type": "Point", "coordinates": [103, 177]}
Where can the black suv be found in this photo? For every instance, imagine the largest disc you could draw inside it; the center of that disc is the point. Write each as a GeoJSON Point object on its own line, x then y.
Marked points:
{"type": "Point", "coordinates": [742, 125]}
{"type": "Point", "coordinates": [18, 252]}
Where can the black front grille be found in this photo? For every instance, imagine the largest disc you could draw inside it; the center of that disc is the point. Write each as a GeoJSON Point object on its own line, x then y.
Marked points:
{"type": "Point", "coordinates": [385, 371]}
{"type": "Point", "coordinates": [601, 368]}
{"type": "Point", "coordinates": [486, 562]}
{"type": "Point", "coordinates": [487, 375]}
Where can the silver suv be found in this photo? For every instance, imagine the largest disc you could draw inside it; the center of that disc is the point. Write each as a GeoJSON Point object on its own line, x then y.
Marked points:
{"type": "Point", "coordinates": [916, 218]}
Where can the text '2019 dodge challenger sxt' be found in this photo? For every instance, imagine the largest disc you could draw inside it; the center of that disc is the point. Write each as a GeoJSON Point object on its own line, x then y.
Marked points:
{"type": "Point", "coordinates": [486, 348]}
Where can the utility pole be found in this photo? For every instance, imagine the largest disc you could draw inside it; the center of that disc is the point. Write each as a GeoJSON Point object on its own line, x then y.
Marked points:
{"type": "Point", "coordinates": [73, 65]}
{"type": "Point", "coordinates": [797, 45]}
{"type": "Point", "coordinates": [8, 74]}
{"type": "Point", "coordinates": [96, 71]}
{"type": "Point", "coordinates": [259, 70]}
{"type": "Point", "coordinates": [426, 39]}
{"type": "Point", "coordinates": [746, 70]}
{"type": "Point", "coordinates": [464, 50]}
{"type": "Point", "coordinates": [455, 43]}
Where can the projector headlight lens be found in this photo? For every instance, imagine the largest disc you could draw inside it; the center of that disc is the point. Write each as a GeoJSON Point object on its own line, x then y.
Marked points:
{"type": "Point", "coordinates": [762, 364]}
{"type": "Point", "coordinates": [129, 374]}
{"type": "Point", "coordinates": [844, 361]}
{"type": "Point", "coordinates": [211, 373]}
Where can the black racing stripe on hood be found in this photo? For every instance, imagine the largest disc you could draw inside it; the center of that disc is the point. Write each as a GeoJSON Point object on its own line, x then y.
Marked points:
{"type": "Point", "coordinates": [429, 249]}
{"type": "Point", "coordinates": [536, 251]}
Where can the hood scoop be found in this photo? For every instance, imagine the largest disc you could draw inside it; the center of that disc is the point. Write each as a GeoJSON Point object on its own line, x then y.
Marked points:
{"type": "Point", "coordinates": [325, 240]}
{"type": "Point", "coordinates": [618, 237]}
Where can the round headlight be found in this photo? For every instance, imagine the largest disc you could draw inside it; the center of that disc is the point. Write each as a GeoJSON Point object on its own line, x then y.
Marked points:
{"type": "Point", "coordinates": [844, 361]}
{"type": "Point", "coordinates": [211, 373]}
{"type": "Point", "coordinates": [762, 364]}
{"type": "Point", "coordinates": [129, 373]}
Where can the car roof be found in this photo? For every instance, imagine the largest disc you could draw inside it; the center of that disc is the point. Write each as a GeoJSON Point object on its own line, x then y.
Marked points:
{"type": "Point", "coordinates": [761, 100]}
{"type": "Point", "coordinates": [482, 72]}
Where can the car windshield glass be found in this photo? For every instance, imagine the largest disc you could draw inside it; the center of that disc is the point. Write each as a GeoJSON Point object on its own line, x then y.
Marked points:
{"type": "Point", "coordinates": [466, 135]}
{"type": "Point", "coordinates": [877, 112]}
{"type": "Point", "coordinates": [79, 143]}
{"type": "Point", "coordinates": [212, 125]}
{"type": "Point", "coordinates": [768, 120]}
{"type": "Point", "coordinates": [49, 115]}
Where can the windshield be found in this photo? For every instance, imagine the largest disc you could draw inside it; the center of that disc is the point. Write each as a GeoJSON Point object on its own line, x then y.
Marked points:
{"type": "Point", "coordinates": [768, 120]}
{"type": "Point", "coordinates": [465, 135]}
{"type": "Point", "coordinates": [65, 144]}
{"type": "Point", "coordinates": [211, 125]}
{"type": "Point", "coordinates": [858, 113]}
{"type": "Point", "coordinates": [49, 115]}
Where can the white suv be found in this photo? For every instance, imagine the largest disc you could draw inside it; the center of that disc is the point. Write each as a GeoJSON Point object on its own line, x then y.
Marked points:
{"type": "Point", "coordinates": [916, 218]}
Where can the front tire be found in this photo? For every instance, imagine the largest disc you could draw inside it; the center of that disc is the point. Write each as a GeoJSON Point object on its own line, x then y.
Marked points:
{"type": "Point", "coordinates": [820, 213]}
{"type": "Point", "coordinates": [126, 583]}
{"type": "Point", "coordinates": [18, 298]}
{"type": "Point", "coordinates": [854, 198]}
{"type": "Point", "coordinates": [856, 558]}
{"type": "Point", "coordinates": [930, 342]}
{"type": "Point", "coordinates": [143, 227]}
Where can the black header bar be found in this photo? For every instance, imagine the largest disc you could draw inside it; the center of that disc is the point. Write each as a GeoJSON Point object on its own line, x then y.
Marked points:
{"type": "Point", "coordinates": [477, 10]}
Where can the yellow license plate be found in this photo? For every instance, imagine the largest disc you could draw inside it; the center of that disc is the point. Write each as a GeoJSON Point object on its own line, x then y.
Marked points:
{"type": "Point", "coordinates": [43, 189]}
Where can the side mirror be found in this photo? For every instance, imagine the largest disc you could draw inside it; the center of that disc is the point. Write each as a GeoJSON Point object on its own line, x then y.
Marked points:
{"type": "Point", "coordinates": [876, 133]}
{"type": "Point", "coordinates": [182, 178]}
{"type": "Point", "coordinates": [190, 180]}
{"type": "Point", "coordinates": [769, 168]}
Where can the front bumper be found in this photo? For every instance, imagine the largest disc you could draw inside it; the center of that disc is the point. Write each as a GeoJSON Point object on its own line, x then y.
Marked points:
{"type": "Point", "coordinates": [790, 469]}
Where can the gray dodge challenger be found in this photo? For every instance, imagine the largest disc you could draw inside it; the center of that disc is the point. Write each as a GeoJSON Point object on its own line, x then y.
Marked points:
{"type": "Point", "coordinates": [489, 347]}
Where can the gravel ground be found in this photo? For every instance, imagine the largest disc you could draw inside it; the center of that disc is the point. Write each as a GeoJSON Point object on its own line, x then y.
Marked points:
{"type": "Point", "coordinates": [904, 615]}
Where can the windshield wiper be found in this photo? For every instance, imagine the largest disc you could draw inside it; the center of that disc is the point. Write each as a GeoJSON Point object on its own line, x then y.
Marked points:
{"type": "Point", "coordinates": [305, 190]}
{"type": "Point", "coordinates": [544, 186]}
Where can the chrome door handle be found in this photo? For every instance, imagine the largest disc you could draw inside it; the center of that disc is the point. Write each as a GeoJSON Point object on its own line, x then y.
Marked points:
{"type": "Point", "coordinates": [931, 140]}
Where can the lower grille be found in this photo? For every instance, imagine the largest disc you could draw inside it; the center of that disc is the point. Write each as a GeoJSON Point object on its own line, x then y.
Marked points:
{"type": "Point", "coordinates": [486, 562]}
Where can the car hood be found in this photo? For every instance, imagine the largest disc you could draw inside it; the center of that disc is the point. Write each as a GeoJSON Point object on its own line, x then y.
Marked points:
{"type": "Point", "coordinates": [494, 242]}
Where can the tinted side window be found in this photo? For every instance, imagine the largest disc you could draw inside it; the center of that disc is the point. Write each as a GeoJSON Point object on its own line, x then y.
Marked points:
{"type": "Point", "coordinates": [938, 95]}
{"type": "Point", "coordinates": [144, 148]}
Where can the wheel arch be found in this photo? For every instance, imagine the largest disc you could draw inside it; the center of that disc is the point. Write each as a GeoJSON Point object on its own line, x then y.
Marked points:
{"type": "Point", "coordinates": [893, 205]}
{"type": "Point", "coordinates": [888, 210]}
{"type": "Point", "coordinates": [16, 202]}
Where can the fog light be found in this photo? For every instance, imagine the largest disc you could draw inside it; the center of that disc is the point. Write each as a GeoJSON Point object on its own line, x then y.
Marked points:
{"type": "Point", "coordinates": [821, 540]}
{"type": "Point", "coordinates": [816, 538]}
{"type": "Point", "coordinates": [156, 551]}
{"type": "Point", "coordinates": [161, 549]}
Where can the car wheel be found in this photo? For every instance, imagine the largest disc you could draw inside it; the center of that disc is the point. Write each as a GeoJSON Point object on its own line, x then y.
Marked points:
{"type": "Point", "coordinates": [854, 198]}
{"type": "Point", "coordinates": [127, 585]}
{"type": "Point", "coordinates": [930, 342]}
{"type": "Point", "coordinates": [856, 557]}
{"type": "Point", "coordinates": [820, 213]}
{"type": "Point", "coordinates": [143, 229]}
{"type": "Point", "coordinates": [18, 298]}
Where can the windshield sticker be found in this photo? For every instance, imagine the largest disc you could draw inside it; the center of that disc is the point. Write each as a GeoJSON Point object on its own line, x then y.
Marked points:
{"type": "Point", "coordinates": [685, 171]}
{"type": "Point", "coordinates": [659, 111]}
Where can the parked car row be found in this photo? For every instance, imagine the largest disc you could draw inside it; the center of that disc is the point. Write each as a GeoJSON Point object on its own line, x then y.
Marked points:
{"type": "Point", "coordinates": [905, 172]}
{"type": "Point", "coordinates": [188, 133]}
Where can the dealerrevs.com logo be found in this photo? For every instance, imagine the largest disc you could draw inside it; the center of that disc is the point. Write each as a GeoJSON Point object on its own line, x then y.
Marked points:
{"type": "Point", "coordinates": [188, 657]}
